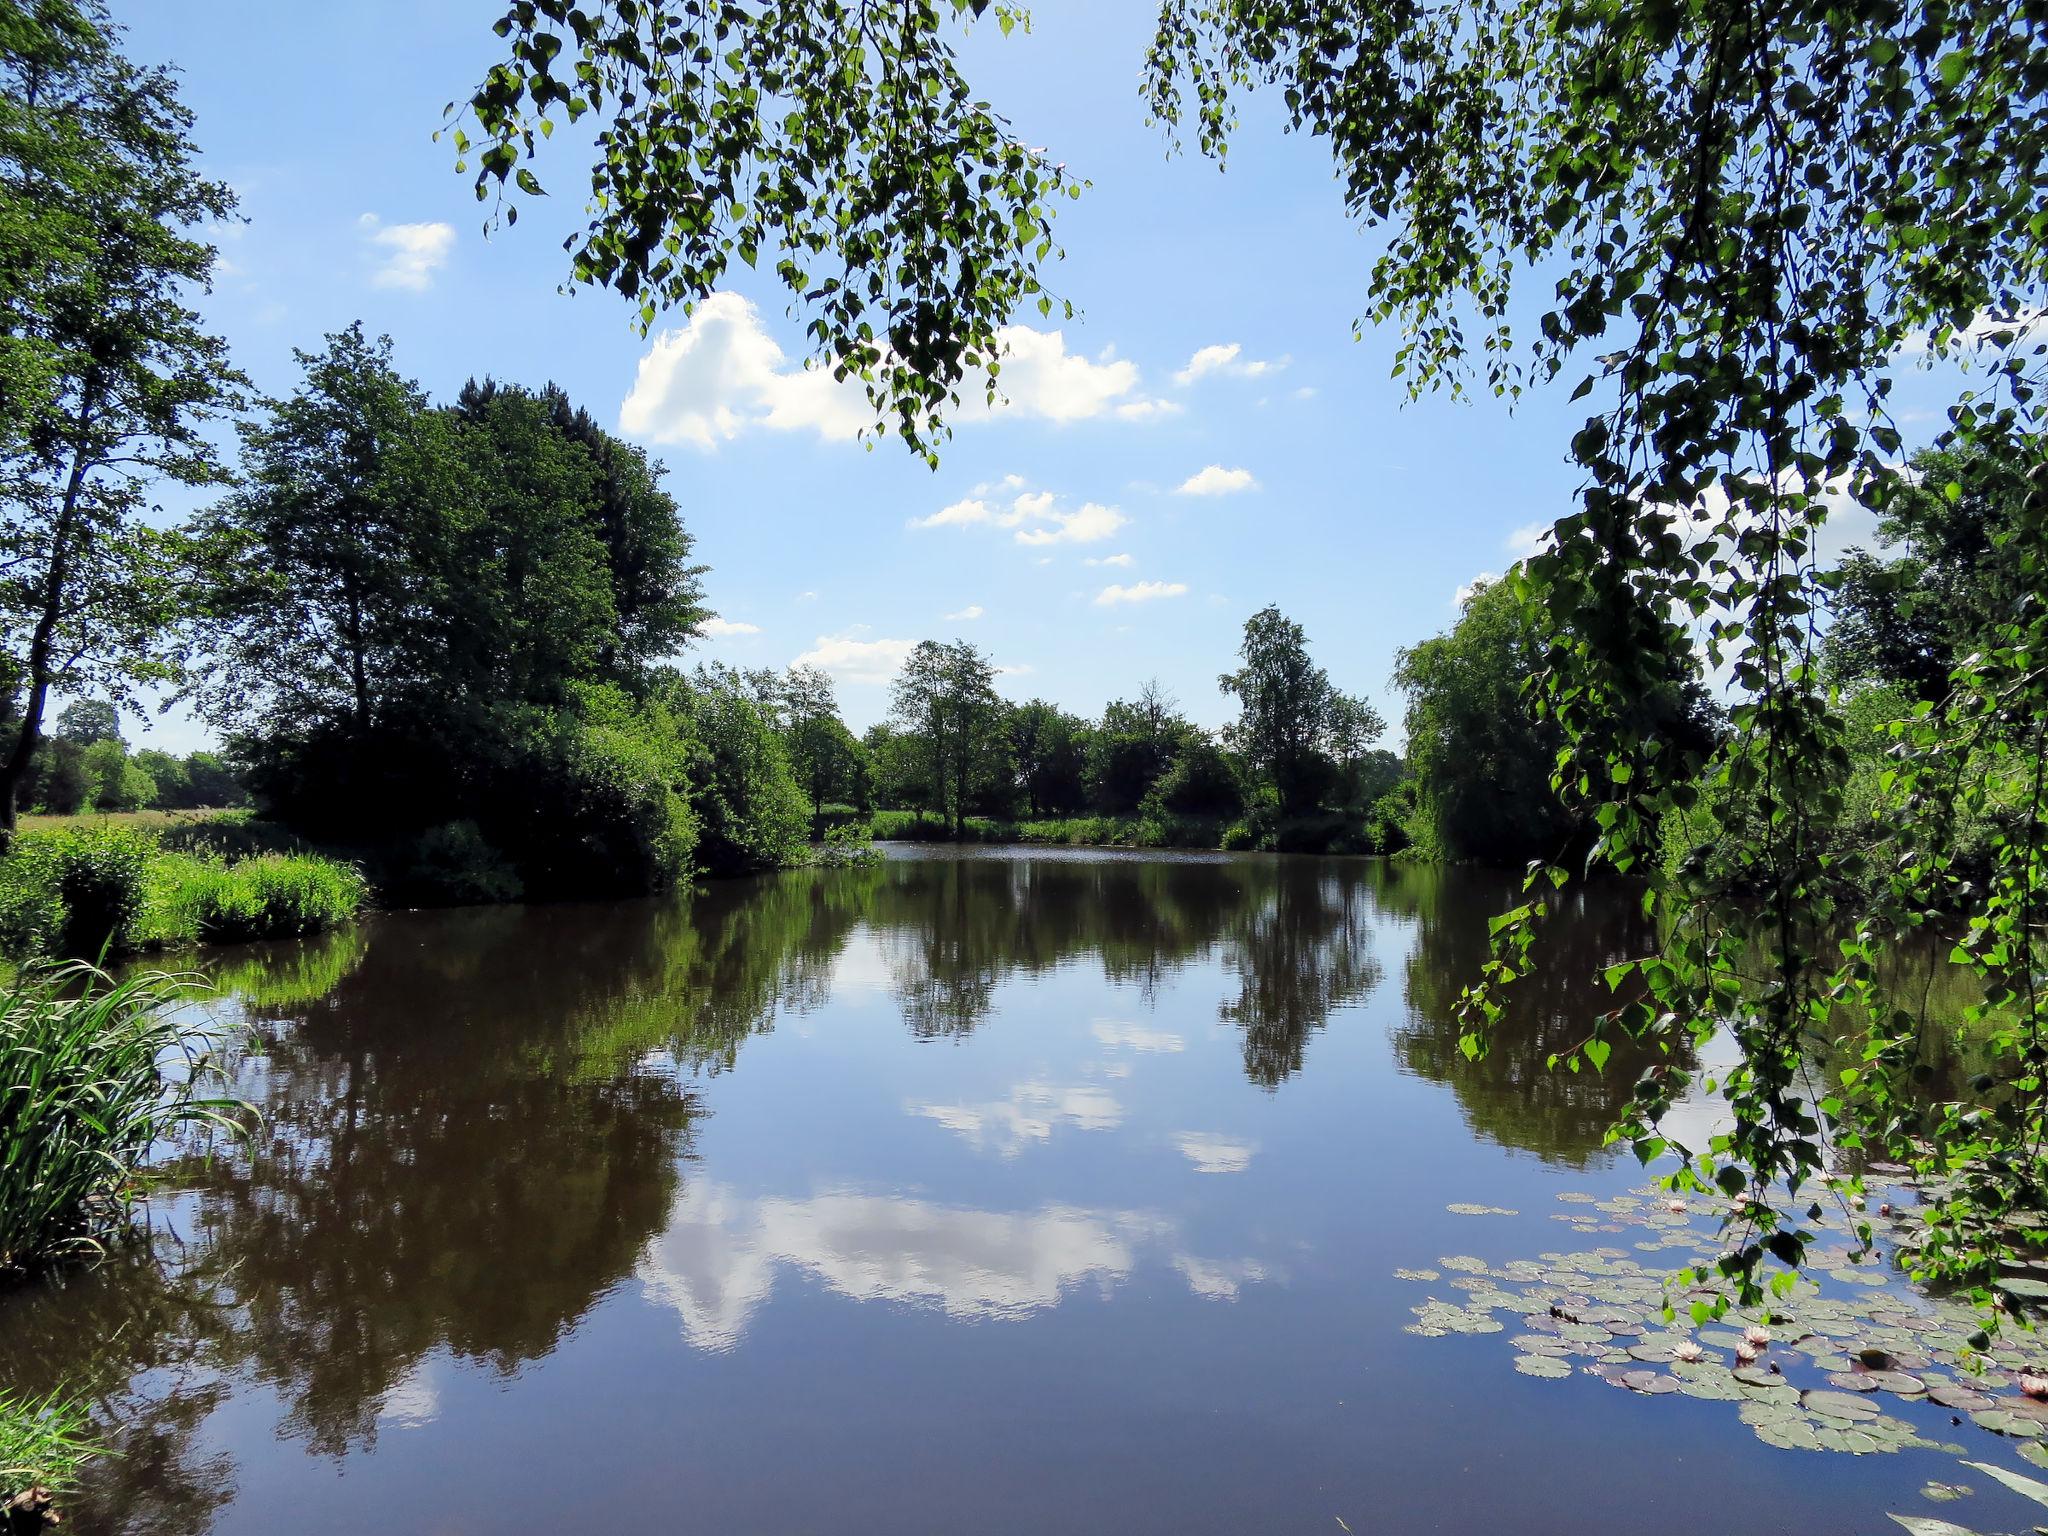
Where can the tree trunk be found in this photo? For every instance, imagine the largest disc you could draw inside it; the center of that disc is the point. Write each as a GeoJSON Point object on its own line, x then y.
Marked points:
{"type": "Point", "coordinates": [43, 643]}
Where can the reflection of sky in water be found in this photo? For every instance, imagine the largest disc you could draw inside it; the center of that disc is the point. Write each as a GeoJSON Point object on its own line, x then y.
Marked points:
{"type": "Point", "coordinates": [992, 1194]}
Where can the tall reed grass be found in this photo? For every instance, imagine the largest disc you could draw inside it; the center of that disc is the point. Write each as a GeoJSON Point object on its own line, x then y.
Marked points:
{"type": "Point", "coordinates": [43, 1443]}
{"type": "Point", "coordinates": [94, 1073]}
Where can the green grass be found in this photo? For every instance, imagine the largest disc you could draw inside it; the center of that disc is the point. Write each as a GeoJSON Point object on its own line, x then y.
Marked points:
{"type": "Point", "coordinates": [1306, 834]}
{"type": "Point", "coordinates": [95, 1073]}
{"type": "Point", "coordinates": [106, 886]}
{"type": "Point", "coordinates": [43, 1443]}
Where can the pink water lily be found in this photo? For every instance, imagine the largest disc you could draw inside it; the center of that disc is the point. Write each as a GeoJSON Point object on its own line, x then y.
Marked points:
{"type": "Point", "coordinates": [1675, 1207]}
{"type": "Point", "coordinates": [1757, 1337]}
{"type": "Point", "coordinates": [2032, 1385]}
{"type": "Point", "coordinates": [1686, 1349]}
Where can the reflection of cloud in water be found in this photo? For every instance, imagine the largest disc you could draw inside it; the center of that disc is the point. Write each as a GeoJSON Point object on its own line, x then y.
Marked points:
{"type": "Point", "coordinates": [718, 1259]}
{"type": "Point", "coordinates": [862, 965]}
{"type": "Point", "coordinates": [1027, 1115]}
{"type": "Point", "coordinates": [1219, 1279]}
{"type": "Point", "coordinates": [1137, 1037]}
{"type": "Point", "coordinates": [1211, 1153]}
{"type": "Point", "coordinates": [413, 1403]}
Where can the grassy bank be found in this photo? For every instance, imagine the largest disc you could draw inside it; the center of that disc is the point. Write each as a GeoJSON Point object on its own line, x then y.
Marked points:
{"type": "Point", "coordinates": [1305, 834]}
{"type": "Point", "coordinates": [83, 887]}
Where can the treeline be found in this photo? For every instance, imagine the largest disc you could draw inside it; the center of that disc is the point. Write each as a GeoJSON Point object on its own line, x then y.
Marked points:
{"type": "Point", "coordinates": [86, 765]}
{"type": "Point", "coordinates": [1298, 768]}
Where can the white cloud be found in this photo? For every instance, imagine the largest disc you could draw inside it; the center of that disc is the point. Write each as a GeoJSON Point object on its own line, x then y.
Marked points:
{"type": "Point", "coordinates": [1040, 378]}
{"type": "Point", "coordinates": [1091, 524]}
{"type": "Point", "coordinates": [1137, 1037]}
{"type": "Point", "coordinates": [1215, 480]}
{"type": "Point", "coordinates": [1466, 593]}
{"type": "Point", "coordinates": [959, 514]}
{"type": "Point", "coordinates": [1211, 1153]}
{"type": "Point", "coordinates": [1306, 392]}
{"type": "Point", "coordinates": [721, 374]}
{"type": "Point", "coordinates": [1526, 540]}
{"type": "Point", "coordinates": [1227, 358]}
{"type": "Point", "coordinates": [1122, 560]}
{"type": "Point", "coordinates": [411, 253]}
{"type": "Point", "coordinates": [721, 629]}
{"type": "Point", "coordinates": [1020, 669]}
{"type": "Point", "coordinates": [807, 597]}
{"type": "Point", "coordinates": [851, 659]}
{"type": "Point", "coordinates": [2020, 325]}
{"type": "Point", "coordinates": [1139, 592]}
{"type": "Point", "coordinates": [971, 611]}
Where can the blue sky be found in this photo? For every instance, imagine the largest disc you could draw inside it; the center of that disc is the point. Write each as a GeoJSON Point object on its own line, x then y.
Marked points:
{"type": "Point", "coordinates": [1204, 437]}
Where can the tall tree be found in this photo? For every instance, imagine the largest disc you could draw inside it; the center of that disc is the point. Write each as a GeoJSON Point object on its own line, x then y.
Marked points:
{"type": "Point", "coordinates": [1050, 748]}
{"type": "Point", "coordinates": [107, 379]}
{"type": "Point", "coordinates": [1292, 722]}
{"type": "Point", "coordinates": [945, 695]}
{"type": "Point", "coordinates": [828, 762]}
{"type": "Point", "coordinates": [335, 560]}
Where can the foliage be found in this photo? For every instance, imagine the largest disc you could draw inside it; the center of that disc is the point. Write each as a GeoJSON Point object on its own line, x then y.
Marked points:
{"type": "Point", "coordinates": [85, 889]}
{"type": "Point", "coordinates": [829, 762]}
{"type": "Point", "coordinates": [1050, 749]}
{"type": "Point", "coordinates": [455, 865]}
{"type": "Point", "coordinates": [944, 697]}
{"type": "Point", "coordinates": [841, 143]}
{"type": "Point", "coordinates": [85, 721]}
{"type": "Point", "coordinates": [1132, 748]}
{"type": "Point", "coordinates": [269, 896]}
{"type": "Point", "coordinates": [1293, 722]}
{"type": "Point", "coordinates": [89, 1092]}
{"type": "Point", "coordinates": [43, 1443]}
{"type": "Point", "coordinates": [1201, 781]}
{"type": "Point", "coordinates": [108, 380]}
{"type": "Point", "coordinates": [752, 812]}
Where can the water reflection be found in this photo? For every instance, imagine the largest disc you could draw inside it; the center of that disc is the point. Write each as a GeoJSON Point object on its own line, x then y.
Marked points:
{"type": "Point", "coordinates": [481, 1125]}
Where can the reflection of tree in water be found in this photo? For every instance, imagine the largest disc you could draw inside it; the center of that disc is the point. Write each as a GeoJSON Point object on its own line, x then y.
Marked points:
{"type": "Point", "coordinates": [1293, 932]}
{"type": "Point", "coordinates": [1299, 951]}
{"type": "Point", "coordinates": [1511, 1095]}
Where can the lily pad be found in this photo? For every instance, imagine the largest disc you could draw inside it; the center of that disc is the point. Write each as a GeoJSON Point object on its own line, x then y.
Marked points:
{"type": "Point", "coordinates": [1852, 1381]}
{"type": "Point", "coordinates": [1416, 1274]}
{"type": "Point", "coordinates": [1548, 1367]}
{"type": "Point", "coordinates": [1946, 1493]}
{"type": "Point", "coordinates": [1923, 1525]}
{"type": "Point", "coordinates": [2026, 1487]}
{"type": "Point", "coordinates": [1466, 1208]}
{"type": "Point", "coordinates": [1649, 1383]}
{"type": "Point", "coordinates": [1962, 1399]}
{"type": "Point", "coordinates": [1837, 1405]}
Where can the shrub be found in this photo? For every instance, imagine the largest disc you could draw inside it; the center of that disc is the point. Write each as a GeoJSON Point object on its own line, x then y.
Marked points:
{"type": "Point", "coordinates": [75, 891]}
{"type": "Point", "coordinates": [746, 798]}
{"type": "Point", "coordinates": [453, 865]}
{"type": "Point", "coordinates": [86, 1097]}
{"type": "Point", "coordinates": [272, 896]}
{"type": "Point", "coordinates": [844, 845]}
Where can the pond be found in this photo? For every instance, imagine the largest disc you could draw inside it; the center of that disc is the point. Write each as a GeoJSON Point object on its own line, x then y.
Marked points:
{"type": "Point", "coordinates": [992, 1191]}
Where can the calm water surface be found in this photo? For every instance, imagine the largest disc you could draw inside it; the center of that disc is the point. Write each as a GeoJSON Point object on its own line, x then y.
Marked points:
{"type": "Point", "coordinates": [989, 1192]}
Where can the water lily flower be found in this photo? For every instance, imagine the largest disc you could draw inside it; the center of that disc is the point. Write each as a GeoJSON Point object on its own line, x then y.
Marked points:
{"type": "Point", "coordinates": [1686, 1349]}
{"type": "Point", "coordinates": [1758, 1336]}
{"type": "Point", "coordinates": [2032, 1385]}
{"type": "Point", "coordinates": [1745, 1354]}
{"type": "Point", "coordinates": [1675, 1207]}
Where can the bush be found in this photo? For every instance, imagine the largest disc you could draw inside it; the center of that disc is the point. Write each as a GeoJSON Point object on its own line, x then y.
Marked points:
{"type": "Point", "coordinates": [746, 798]}
{"type": "Point", "coordinates": [271, 896]}
{"type": "Point", "coordinates": [453, 865]}
{"type": "Point", "coordinates": [87, 1098]}
{"type": "Point", "coordinates": [75, 891]}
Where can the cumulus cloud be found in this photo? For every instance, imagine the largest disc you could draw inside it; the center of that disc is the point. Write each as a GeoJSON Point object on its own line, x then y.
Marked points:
{"type": "Point", "coordinates": [1139, 592]}
{"type": "Point", "coordinates": [1526, 540]}
{"type": "Point", "coordinates": [851, 658]}
{"type": "Point", "coordinates": [722, 629]}
{"type": "Point", "coordinates": [1227, 358]}
{"type": "Point", "coordinates": [1036, 515]}
{"type": "Point", "coordinates": [721, 374]}
{"type": "Point", "coordinates": [1997, 329]}
{"type": "Point", "coordinates": [971, 611]}
{"type": "Point", "coordinates": [1040, 378]}
{"type": "Point", "coordinates": [1089, 524]}
{"type": "Point", "coordinates": [1215, 480]}
{"type": "Point", "coordinates": [409, 254]}
{"type": "Point", "coordinates": [1121, 560]}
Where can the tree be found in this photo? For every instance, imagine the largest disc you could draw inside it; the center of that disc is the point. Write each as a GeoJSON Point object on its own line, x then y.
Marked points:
{"type": "Point", "coordinates": [1481, 757]}
{"type": "Point", "coordinates": [108, 381]}
{"type": "Point", "coordinates": [945, 697]}
{"type": "Point", "coordinates": [1132, 748]}
{"type": "Point", "coordinates": [1050, 748]}
{"type": "Point", "coordinates": [1293, 723]}
{"type": "Point", "coordinates": [828, 762]}
{"type": "Point", "coordinates": [86, 721]}
{"type": "Point", "coordinates": [335, 559]}
{"type": "Point", "coordinates": [1908, 619]}
{"type": "Point", "coordinates": [114, 781]}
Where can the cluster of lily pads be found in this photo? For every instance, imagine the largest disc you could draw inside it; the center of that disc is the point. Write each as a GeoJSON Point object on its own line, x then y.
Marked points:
{"type": "Point", "coordinates": [1817, 1370]}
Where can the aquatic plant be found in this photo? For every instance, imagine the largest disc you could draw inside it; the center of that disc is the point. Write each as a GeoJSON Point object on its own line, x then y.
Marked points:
{"type": "Point", "coordinates": [43, 1442]}
{"type": "Point", "coordinates": [93, 1073]}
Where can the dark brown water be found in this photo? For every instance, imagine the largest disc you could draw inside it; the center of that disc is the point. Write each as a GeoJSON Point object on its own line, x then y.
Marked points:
{"type": "Point", "coordinates": [990, 1193]}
